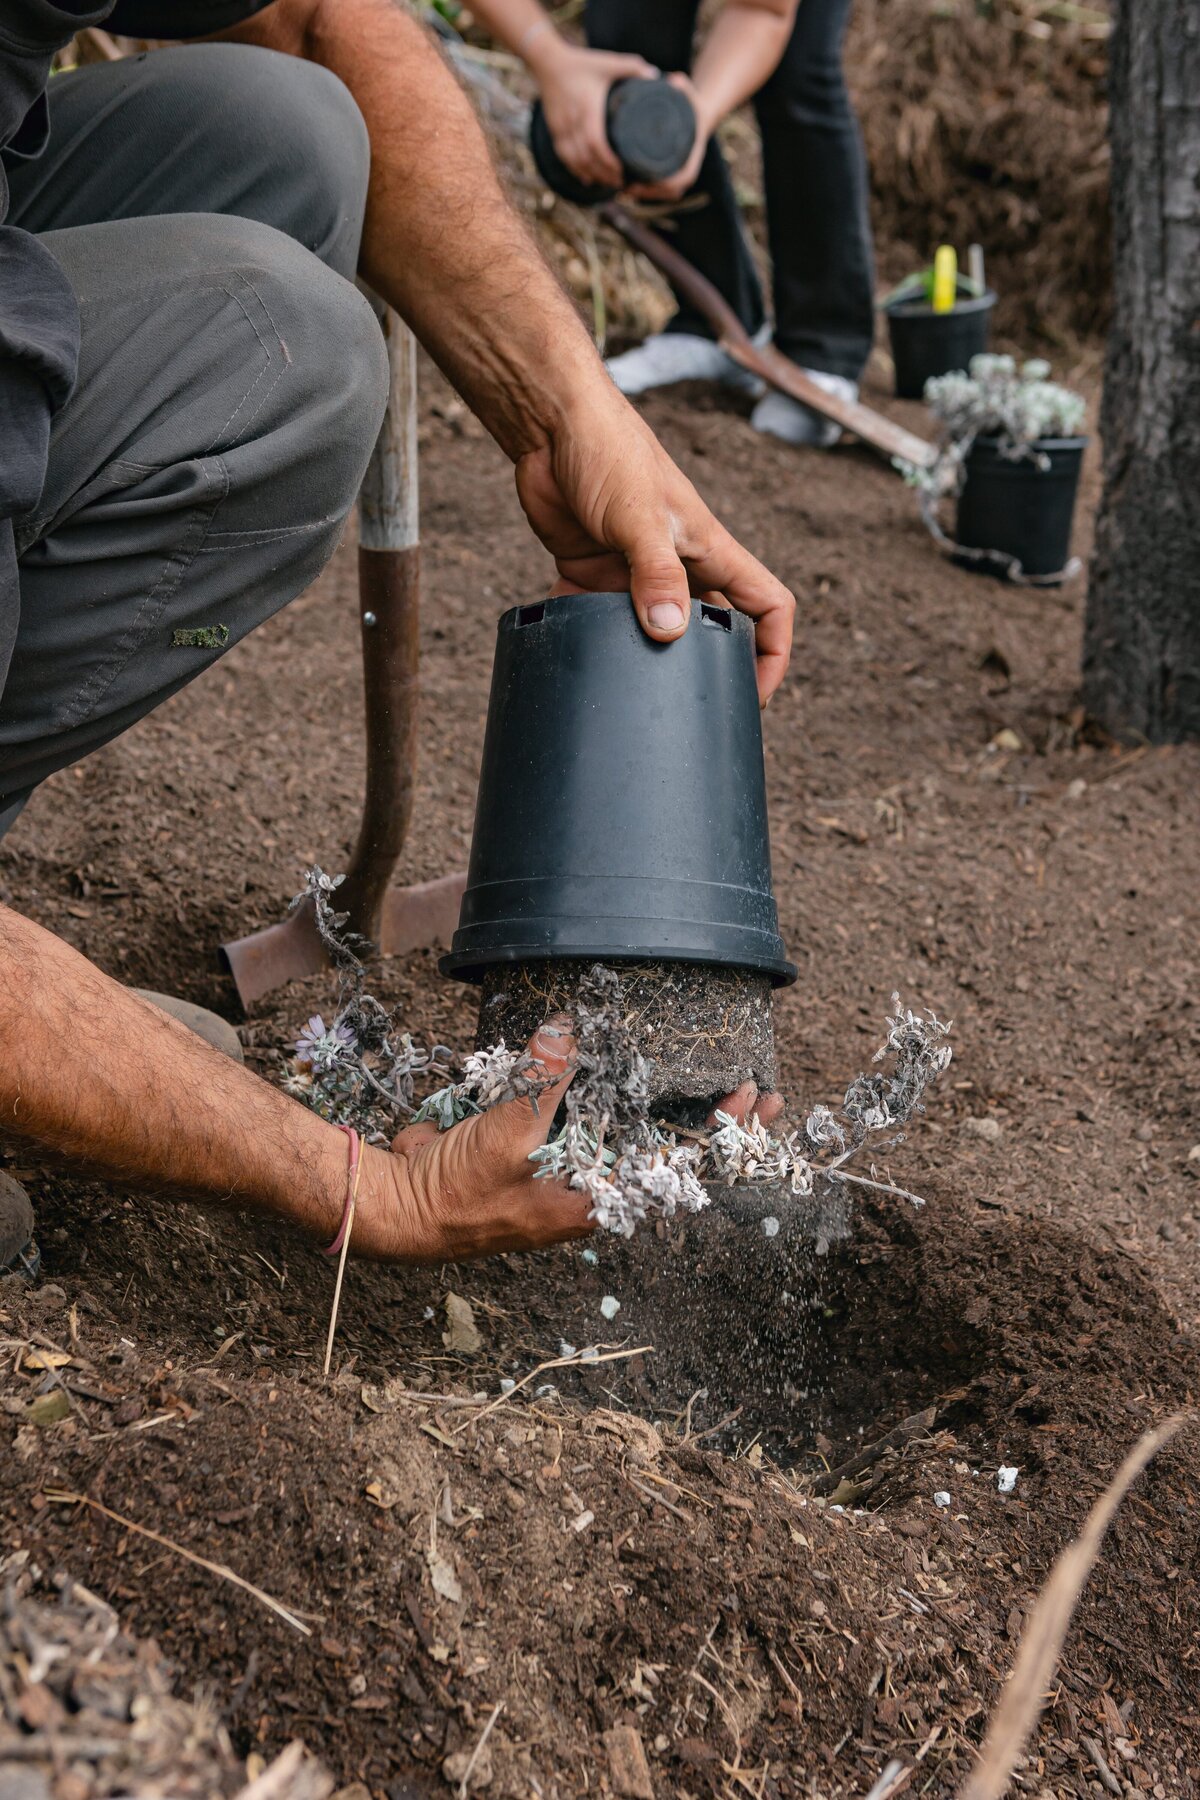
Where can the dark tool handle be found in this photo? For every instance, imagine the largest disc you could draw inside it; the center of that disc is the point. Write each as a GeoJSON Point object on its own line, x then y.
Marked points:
{"type": "Point", "coordinates": [768, 362]}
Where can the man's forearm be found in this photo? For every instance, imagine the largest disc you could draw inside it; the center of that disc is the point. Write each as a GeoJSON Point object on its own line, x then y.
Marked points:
{"type": "Point", "coordinates": [441, 242]}
{"type": "Point", "coordinates": [104, 1079]}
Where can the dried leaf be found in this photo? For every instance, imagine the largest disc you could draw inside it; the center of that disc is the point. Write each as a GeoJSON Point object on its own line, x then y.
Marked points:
{"type": "Point", "coordinates": [47, 1359]}
{"type": "Point", "coordinates": [442, 1574]}
{"type": "Point", "coordinates": [462, 1333]}
{"type": "Point", "coordinates": [48, 1409]}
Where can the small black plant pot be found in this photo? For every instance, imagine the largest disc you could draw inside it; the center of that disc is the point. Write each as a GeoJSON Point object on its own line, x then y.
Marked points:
{"type": "Point", "coordinates": [925, 343]}
{"type": "Point", "coordinates": [622, 810]}
{"type": "Point", "coordinates": [1018, 509]}
{"type": "Point", "coordinates": [651, 127]}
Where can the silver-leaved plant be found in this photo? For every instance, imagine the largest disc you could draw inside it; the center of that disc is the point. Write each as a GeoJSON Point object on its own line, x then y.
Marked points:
{"type": "Point", "coordinates": [994, 398]}
{"type": "Point", "coordinates": [360, 1070]}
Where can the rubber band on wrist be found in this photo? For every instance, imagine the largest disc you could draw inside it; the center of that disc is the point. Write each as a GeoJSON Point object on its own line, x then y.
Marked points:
{"type": "Point", "coordinates": [352, 1173]}
{"type": "Point", "coordinates": [340, 1246]}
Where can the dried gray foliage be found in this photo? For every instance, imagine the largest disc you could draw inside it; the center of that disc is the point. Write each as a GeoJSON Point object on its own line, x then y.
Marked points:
{"type": "Point", "coordinates": [361, 1070]}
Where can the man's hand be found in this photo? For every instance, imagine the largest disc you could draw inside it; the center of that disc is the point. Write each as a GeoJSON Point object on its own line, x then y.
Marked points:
{"type": "Point", "coordinates": [444, 1196]}
{"type": "Point", "coordinates": [441, 1196]}
{"type": "Point", "coordinates": [574, 87]}
{"type": "Point", "coordinates": [615, 512]}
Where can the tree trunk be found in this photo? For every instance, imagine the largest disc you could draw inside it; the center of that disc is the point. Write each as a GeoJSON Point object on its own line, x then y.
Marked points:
{"type": "Point", "coordinates": [1141, 662]}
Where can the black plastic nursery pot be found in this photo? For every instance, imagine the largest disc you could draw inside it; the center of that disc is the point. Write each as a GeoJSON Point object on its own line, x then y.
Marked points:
{"type": "Point", "coordinates": [925, 343]}
{"type": "Point", "coordinates": [651, 127]}
{"type": "Point", "coordinates": [622, 819]}
{"type": "Point", "coordinates": [1020, 509]}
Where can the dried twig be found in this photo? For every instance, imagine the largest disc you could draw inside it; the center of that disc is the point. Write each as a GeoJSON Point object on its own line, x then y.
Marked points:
{"type": "Point", "coordinates": [478, 1750]}
{"type": "Point", "coordinates": [1107, 1779]}
{"type": "Point", "coordinates": [341, 1268]}
{"type": "Point", "coordinates": [294, 1775]}
{"type": "Point", "coordinates": [894, 1778]}
{"type": "Point", "coordinates": [61, 1498]}
{"type": "Point", "coordinates": [588, 1357]}
{"type": "Point", "coordinates": [1042, 1639]}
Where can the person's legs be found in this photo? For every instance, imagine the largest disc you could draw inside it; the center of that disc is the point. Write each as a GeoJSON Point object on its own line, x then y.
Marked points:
{"type": "Point", "coordinates": [203, 128]}
{"type": "Point", "coordinates": [816, 191]}
{"type": "Point", "coordinates": [230, 392]}
{"type": "Point", "coordinates": [145, 482]}
{"type": "Point", "coordinates": [710, 236]}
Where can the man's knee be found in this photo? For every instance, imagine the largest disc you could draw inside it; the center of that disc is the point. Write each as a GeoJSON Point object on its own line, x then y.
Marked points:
{"type": "Point", "coordinates": [327, 409]}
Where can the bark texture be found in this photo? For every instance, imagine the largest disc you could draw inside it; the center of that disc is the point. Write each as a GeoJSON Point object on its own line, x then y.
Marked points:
{"type": "Point", "coordinates": [1142, 638]}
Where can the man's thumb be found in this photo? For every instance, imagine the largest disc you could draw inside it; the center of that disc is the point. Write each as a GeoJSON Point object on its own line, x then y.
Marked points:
{"type": "Point", "coordinates": [521, 1125]}
{"type": "Point", "coordinates": [659, 585]}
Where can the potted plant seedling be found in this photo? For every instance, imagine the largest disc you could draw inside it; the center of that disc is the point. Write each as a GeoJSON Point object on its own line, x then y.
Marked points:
{"type": "Point", "coordinates": [622, 819]}
{"type": "Point", "coordinates": [938, 319]}
{"type": "Point", "coordinates": [1010, 447]}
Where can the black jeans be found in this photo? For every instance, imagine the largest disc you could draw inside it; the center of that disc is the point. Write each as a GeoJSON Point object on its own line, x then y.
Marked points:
{"type": "Point", "coordinates": [814, 174]}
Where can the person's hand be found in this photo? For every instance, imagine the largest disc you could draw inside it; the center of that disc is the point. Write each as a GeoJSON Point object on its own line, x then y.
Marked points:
{"type": "Point", "coordinates": [674, 187]}
{"type": "Point", "coordinates": [440, 1196]}
{"type": "Point", "coordinates": [747, 1103]}
{"type": "Point", "coordinates": [615, 513]}
{"type": "Point", "coordinates": [574, 87]}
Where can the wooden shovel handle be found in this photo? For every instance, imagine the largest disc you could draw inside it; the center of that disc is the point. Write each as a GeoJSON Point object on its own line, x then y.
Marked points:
{"type": "Point", "coordinates": [774, 368]}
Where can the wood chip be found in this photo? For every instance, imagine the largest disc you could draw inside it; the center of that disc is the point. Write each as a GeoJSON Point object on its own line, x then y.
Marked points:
{"type": "Point", "coordinates": [462, 1333]}
{"type": "Point", "coordinates": [627, 1763]}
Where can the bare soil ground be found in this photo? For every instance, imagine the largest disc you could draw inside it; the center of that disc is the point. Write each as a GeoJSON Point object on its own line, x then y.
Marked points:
{"type": "Point", "coordinates": [943, 824]}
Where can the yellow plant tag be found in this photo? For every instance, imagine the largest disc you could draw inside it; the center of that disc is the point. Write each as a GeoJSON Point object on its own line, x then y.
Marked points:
{"type": "Point", "coordinates": [945, 279]}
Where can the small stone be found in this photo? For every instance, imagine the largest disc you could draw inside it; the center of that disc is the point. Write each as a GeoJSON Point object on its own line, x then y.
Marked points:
{"type": "Point", "coordinates": [610, 1306]}
{"type": "Point", "coordinates": [1007, 740]}
{"type": "Point", "coordinates": [1193, 1156]}
{"type": "Point", "coordinates": [770, 1226]}
{"type": "Point", "coordinates": [1076, 789]}
{"type": "Point", "coordinates": [591, 1259]}
{"type": "Point", "coordinates": [987, 1128]}
{"type": "Point", "coordinates": [941, 1498]}
{"type": "Point", "coordinates": [1006, 1478]}
{"type": "Point", "coordinates": [1168, 1231]}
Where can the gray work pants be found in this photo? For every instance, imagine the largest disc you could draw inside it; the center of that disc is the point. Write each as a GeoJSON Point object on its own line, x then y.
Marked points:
{"type": "Point", "coordinates": [206, 203]}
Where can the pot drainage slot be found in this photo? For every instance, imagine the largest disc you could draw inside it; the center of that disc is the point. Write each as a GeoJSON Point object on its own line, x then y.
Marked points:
{"type": "Point", "coordinates": [531, 615]}
{"type": "Point", "coordinates": [716, 615]}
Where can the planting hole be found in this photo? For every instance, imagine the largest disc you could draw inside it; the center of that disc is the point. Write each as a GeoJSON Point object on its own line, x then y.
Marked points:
{"type": "Point", "coordinates": [531, 615]}
{"type": "Point", "coordinates": [716, 615]}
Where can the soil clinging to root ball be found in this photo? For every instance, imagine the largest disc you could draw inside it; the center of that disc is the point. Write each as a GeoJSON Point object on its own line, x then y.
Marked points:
{"type": "Point", "coordinates": [706, 1029]}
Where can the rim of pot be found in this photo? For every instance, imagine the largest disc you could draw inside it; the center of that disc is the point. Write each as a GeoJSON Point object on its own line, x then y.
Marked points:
{"type": "Point", "coordinates": [990, 440]}
{"type": "Point", "coordinates": [468, 965]}
{"type": "Point", "coordinates": [923, 309]}
{"type": "Point", "coordinates": [696, 604]}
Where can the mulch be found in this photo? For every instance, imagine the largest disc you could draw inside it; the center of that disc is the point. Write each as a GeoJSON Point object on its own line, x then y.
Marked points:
{"type": "Point", "coordinates": [635, 1558]}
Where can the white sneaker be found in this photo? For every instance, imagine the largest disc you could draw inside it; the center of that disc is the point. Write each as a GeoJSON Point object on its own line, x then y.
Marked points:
{"type": "Point", "coordinates": [671, 356]}
{"type": "Point", "coordinates": [780, 416]}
